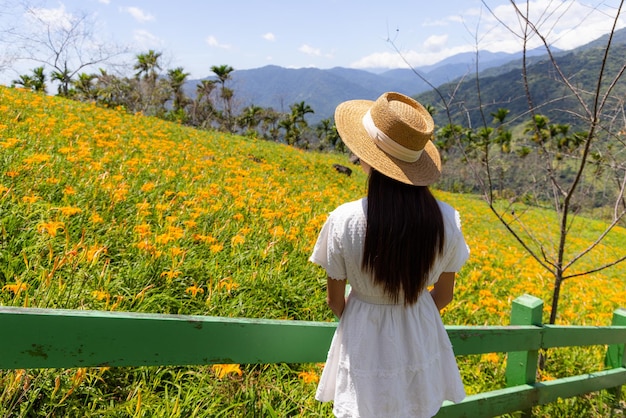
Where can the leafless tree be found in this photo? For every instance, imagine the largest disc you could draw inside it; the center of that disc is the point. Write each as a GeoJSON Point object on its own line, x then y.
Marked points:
{"type": "Point", "coordinates": [597, 110]}
{"type": "Point", "coordinates": [571, 168]}
{"type": "Point", "coordinates": [65, 43]}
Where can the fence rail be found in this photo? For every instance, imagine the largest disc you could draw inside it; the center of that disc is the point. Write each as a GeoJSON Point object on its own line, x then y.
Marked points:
{"type": "Point", "coordinates": [51, 338]}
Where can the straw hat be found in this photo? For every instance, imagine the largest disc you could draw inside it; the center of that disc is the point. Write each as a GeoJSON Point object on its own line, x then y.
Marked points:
{"type": "Point", "coordinates": [393, 135]}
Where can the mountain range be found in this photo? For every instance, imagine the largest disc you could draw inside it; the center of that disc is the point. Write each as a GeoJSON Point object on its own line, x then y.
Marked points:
{"type": "Point", "coordinates": [323, 89]}
{"type": "Point", "coordinates": [565, 95]}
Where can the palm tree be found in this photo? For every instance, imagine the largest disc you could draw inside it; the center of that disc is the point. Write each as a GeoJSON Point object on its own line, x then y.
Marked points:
{"type": "Point", "coordinates": [153, 96]}
{"type": "Point", "coordinates": [177, 78]}
{"type": "Point", "coordinates": [117, 91]}
{"type": "Point", "coordinates": [39, 80]}
{"type": "Point", "coordinates": [205, 88]}
{"type": "Point", "coordinates": [250, 118]}
{"type": "Point", "coordinates": [202, 106]}
{"type": "Point", "coordinates": [34, 82]}
{"type": "Point", "coordinates": [147, 64]}
{"type": "Point", "coordinates": [269, 124]}
{"type": "Point", "coordinates": [298, 111]}
{"type": "Point", "coordinates": [64, 78]}
{"type": "Point", "coordinates": [84, 87]}
{"type": "Point", "coordinates": [328, 135]}
{"type": "Point", "coordinates": [292, 133]}
{"type": "Point", "coordinates": [25, 81]}
{"type": "Point", "coordinates": [294, 124]}
{"type": "Point", "coordinates": [223, 74]}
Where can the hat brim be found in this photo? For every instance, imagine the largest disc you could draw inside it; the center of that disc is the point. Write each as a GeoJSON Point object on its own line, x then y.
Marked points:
{"type": "Point", "coordinates": [349, 122]}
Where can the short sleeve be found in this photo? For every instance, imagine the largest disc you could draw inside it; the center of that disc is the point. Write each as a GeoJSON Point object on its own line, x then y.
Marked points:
{"type": "Point", "coordinates": [328, 252]}
{"type": "Point", "coordinates": [458, 251]}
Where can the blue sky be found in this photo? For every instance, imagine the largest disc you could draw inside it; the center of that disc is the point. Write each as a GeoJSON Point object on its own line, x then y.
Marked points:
{"type": "Point", "coordinates": [321, 33]}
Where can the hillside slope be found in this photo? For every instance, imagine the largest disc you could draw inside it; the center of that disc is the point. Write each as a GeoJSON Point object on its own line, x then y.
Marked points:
{"type": "Point", "coordinates": [103, 210]}
{"type": "Point", "coordinates": [142, 189]}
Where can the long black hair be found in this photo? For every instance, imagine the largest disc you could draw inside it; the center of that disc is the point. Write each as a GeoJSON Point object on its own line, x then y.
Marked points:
{"type": "Point", "coordinates": [404, 235]}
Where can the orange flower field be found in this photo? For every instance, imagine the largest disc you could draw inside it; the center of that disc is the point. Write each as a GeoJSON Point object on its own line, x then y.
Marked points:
{"type": "Point", "coordinates": [104, 210]}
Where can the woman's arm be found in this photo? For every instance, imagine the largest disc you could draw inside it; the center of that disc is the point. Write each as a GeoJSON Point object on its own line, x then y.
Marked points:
{"type": "Point", "coordinates": [336, 295]}
{"type": "Point", "coordinates": [443, 290]}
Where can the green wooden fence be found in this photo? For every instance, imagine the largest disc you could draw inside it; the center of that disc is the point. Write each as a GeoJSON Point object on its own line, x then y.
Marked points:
{"type": "Point", "coordinates": [51, 338]}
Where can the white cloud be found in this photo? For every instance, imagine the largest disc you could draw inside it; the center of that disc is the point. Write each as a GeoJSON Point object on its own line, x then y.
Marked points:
{"type": "Point", "coordinates": [212, 41]}
{"type": "Point", "coordinates": [309, 50]}
{"type": "Point", "coordinates": [380, 60]}
{"type": "Point", "coordinates": [52, 18]}
{"type": "Point", "coordinates": [104, 1]}
{"type": "Point", "coordinates": [269, 37]}
{"type": "Point", "coordinates": [145, 39]}
{"type": "Point", "coordinates": [405, 59]}
{"type": "Point", "coordinates": [138, 14]}
{"type": "Point", "coordinates": [565, 24]}
{"type": "Point", "coordinates": [435, 43]}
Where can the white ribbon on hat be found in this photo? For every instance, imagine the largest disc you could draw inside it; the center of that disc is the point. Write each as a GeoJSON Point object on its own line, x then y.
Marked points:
{"type": "Point", "coordinates": [387, 144]}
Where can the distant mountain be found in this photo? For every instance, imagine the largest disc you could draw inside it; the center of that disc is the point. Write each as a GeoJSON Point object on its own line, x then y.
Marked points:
{"type": "Point", "coordinates": [279, 87]}
{"type": "Point", "coordinates": [466, 61]}
{"type": "Point", "coordinates": [502, 87]}
{"type": "Point", "coordinates": [323, 90]}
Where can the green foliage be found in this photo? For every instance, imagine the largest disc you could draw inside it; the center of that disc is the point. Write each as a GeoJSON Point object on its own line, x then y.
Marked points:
{"type": "Point", "coordinates": [34, 82]}
{"type": "Point", "coordinates": [547, 90]}
{"type": "Point", "coordinates": [152, 93]}
{"type": "Point", "coordinates": [104, 210]}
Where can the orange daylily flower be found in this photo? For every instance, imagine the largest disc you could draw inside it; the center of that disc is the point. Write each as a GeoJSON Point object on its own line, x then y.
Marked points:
{"type": "Point", "coordinates": [221, 370]}
{"type": "Point", "coordinates": [69, 210]}
{"type": "Point", "coordinates": [16, 288]}
{"type": "Point", "coordinates": [51, 228]}
{"type": "Point", "coordinates": [309, 377]}
{"type": "Point", "coordinates": [194, 290]}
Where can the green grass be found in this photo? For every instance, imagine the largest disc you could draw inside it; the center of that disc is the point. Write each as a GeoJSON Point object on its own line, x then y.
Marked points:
{"type": "Point", "coordinates": [104, 210]}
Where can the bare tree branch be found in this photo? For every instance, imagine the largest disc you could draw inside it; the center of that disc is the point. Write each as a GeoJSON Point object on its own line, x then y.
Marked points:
{"type": "Point", "coordinates": [597, 269]}
{"type": "Point", "coordinates": [66, 46]}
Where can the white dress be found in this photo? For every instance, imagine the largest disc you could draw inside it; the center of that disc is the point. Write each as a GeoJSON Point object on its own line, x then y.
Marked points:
{"type": "Point", "coordinates": [386, 360]}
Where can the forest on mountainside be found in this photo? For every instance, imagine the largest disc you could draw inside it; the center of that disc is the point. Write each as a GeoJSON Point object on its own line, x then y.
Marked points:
{"type": "Point", "coordinates": [537, 93]}
{"type": "Point", "coordinates": [506, 89]}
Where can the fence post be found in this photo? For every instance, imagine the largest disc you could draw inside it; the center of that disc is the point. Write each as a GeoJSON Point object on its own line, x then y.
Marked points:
{"type": "Point", "coordinates": [521, 366]}
{"type": "Point", "coordinates": [615, 353]}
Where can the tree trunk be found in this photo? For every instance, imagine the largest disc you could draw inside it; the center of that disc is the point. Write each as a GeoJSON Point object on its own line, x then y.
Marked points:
{"type": "Point", "coordinates": [558, 279]}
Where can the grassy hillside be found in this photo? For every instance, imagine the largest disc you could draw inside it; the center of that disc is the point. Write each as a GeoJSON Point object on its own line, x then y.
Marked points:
{"type": "Point", "coordinates": [104, 210]}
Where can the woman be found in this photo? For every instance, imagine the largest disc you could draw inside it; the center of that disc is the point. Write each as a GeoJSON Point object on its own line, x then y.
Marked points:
{"type": "Point", "coordinates": [391, 355]}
